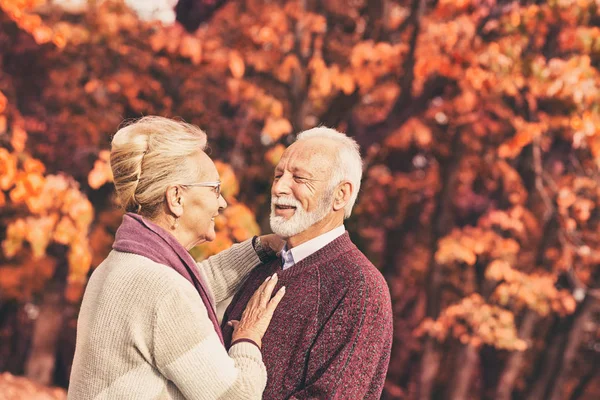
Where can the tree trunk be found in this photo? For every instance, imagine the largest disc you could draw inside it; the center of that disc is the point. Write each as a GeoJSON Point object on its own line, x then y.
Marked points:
{"type": "Point", "coordinates": [466, 365]}
{"type": "Point", "coordinates": [443, 218]}
{"type": "Point", "coordinates": [15, 337]}
{"type": "Point", "coordinates": [585, 381]}
{"type": "Point", "coordinates": [549, 361]}
{"type": "Point", "coordinates": [589, 306]}
{"type": "Point", "coordinates": [42, 355]}
{"type": "Point", "coordinates": [430, 364]}
{"type": "Point", "coordinates": [512, 370]}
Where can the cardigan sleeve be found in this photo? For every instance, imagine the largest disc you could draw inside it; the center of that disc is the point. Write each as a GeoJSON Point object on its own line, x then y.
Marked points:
{"type": "Point", "coordinates": [226, 271]}
{"type": "Point", "coordinates": [187, 351]}
{"type": "Point", "coordinates": [350, 356]}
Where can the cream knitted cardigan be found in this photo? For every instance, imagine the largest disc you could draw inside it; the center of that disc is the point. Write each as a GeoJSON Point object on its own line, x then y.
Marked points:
{"type": "Point", "coordinates": [144, 333]}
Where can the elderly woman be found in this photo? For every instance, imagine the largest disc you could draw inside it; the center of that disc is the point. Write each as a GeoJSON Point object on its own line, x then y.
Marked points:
{"type": "Point", "coordinates": [148, 327]}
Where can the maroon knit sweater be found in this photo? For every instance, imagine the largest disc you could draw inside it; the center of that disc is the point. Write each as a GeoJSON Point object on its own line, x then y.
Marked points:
{"type": "Point", "coordinates": [331, 335]}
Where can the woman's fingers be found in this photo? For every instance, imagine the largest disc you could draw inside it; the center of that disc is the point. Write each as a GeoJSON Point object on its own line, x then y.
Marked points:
{"type": "Point", "coordinates": [258, 312]}
{"type": "Point", "coordinates": [275, 301]}
{"type": "Point", "coordinates": [273, 241]}
{"type": "Point", "coordinates": [268, 290]}
{"type": "Point", "coordinates": [257, 294]}
{"type": "Point", "coordinates": [233, 323]}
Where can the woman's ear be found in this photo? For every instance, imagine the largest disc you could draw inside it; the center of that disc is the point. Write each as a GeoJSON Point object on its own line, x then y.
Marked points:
{"type": "Point", "coordinates": [342, 195]}
{"type": "Point", "coordinates": [174, 200]}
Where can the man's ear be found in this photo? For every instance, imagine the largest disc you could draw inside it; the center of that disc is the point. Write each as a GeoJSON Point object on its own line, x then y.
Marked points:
{"type": "Point", "coordinates": [342, 195]}
{"type": "Point", "coordinates": [174, 199]}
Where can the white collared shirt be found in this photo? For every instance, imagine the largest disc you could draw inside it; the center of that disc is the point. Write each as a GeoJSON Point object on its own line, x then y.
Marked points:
{"type": "Point", "coordinates": [300, 252]}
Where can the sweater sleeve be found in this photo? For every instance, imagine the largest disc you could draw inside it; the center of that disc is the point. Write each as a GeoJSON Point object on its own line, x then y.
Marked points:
{"type": "Point", "coordinates": [350, 356]}
{"type": "Point", "coordinates": [188, 352]}
{"type": "Point", "coordinates": [226, 271]}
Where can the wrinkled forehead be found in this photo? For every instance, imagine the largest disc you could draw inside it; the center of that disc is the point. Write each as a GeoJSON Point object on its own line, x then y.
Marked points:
{"type": "Point", "coordinates": [316, 156]}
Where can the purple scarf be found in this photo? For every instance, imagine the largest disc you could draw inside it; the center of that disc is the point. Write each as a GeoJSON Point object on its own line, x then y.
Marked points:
{"type": "Point", "coordinates": [139, 236]}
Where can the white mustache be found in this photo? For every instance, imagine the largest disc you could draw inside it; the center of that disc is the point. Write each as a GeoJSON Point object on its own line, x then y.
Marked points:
{"type": "Point", "coordinates": [285, 201]}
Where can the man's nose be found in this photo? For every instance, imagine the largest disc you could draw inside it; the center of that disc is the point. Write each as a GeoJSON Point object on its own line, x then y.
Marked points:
{"type": "Point", "coordinates": [281, 186]}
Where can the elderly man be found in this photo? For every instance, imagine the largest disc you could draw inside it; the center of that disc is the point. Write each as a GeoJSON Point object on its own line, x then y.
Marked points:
{"type": "Point", "coordinates": [331, 336]}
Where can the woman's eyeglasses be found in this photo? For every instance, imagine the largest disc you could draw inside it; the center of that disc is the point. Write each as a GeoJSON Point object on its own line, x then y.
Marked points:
{"type": "Point", "coordinates": [216, 185]}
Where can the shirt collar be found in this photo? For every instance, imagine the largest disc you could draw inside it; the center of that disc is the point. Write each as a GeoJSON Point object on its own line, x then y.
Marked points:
{"type": "Point", "coordinates": [300, 252]}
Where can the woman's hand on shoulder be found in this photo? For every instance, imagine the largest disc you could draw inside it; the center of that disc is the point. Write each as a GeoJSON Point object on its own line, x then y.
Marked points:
{"type": "Point", "coordinates": [272, 241]}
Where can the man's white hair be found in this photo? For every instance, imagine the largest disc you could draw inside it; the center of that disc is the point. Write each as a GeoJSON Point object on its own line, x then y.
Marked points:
{"type": "Point", "coordinates": [348, 164]}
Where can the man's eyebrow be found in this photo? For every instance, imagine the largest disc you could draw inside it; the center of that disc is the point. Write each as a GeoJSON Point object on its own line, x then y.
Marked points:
{"type": "Point", "coordinates": [302, 172]}
{"type": "Point", "coordinates": [297, 170]}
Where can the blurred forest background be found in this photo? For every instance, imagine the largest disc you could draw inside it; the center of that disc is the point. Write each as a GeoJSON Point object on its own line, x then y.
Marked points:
{"type": "Point", "coordinates": [479, 121]}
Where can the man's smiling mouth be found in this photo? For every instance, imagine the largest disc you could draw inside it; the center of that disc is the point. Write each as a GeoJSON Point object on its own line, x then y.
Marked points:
{"type": "Point", "coordinates": [281, 207]}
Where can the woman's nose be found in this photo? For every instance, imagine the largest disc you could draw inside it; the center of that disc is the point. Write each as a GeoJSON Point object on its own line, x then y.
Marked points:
{"type": "Point", "coordinates": [222, 203]}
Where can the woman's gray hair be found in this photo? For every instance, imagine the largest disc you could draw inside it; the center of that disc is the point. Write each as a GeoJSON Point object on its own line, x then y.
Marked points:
{"type": "Point", "coordinates": [150, 154]}
{"type": "Point", "coordinates": [348, 164]}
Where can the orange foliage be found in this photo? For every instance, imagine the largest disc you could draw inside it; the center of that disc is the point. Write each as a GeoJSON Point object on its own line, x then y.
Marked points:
{"type": "Point", "coordinates": [20, 11]}
{"type": "Point", "coordinates": [48, 209]}
{"type": "Point", "coordinates": [535, 291]}
{"type": "Point", "coordinates": [479, 134]}
{"type": "Point", "coordinates": [474, 322]}
{"type": "Point", "coordinates": [101, 173]}
{"type": "Point", "coordinates": [16, 388]}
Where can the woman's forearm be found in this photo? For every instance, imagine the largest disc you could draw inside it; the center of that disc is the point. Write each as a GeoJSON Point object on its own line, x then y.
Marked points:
{"type": "Point", "coordinates": [225, 271]}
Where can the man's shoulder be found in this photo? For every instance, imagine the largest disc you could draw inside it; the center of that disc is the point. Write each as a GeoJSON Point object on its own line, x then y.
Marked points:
{"type": "Point", "coordinates": [355, 269]}
{"type": "Point", "coordinates": [351, 276]}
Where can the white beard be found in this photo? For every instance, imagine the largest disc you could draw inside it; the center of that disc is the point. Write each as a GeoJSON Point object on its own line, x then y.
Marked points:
{"type": "Point", "coordinates": [301, 220]}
